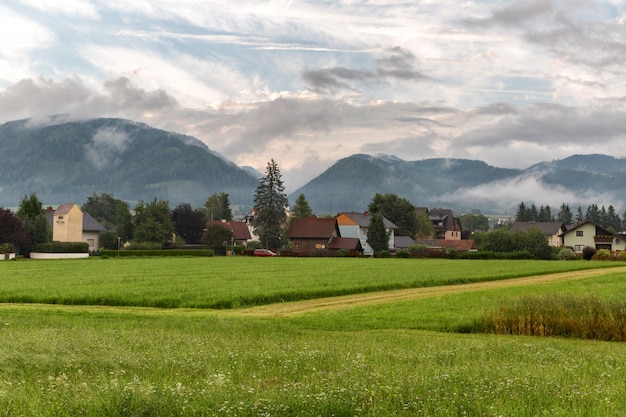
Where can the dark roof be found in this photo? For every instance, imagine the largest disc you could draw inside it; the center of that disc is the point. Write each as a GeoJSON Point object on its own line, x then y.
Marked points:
{"type": "Point", "coordinates": [240, 229]}
{"type": "Point", "coordinates": [403, 241]}
{"type": "Point", "coordinates": [363, 220]}
{"type": "Point", "coordinates": [91, 225]}
{"type": "Point", "coordinates": [350, 243]}
{"type": "Point", "coordinates": [312, 228]}
{"type": "Point", "coordinates": [547, 228]}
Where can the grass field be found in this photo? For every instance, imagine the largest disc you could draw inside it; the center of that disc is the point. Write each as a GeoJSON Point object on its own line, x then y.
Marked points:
{"type": "Point", "coordinates": [395, 358]}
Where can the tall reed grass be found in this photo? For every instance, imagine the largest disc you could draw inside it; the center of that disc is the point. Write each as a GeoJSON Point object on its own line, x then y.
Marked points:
{"type": "Point", "coordinates": [566, 315]}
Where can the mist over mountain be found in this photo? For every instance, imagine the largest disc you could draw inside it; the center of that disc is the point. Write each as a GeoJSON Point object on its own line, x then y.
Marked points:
{"type": "Point", "coordinates": [68, 161]}
{"type": "Point", "coordinates": [465, 185]}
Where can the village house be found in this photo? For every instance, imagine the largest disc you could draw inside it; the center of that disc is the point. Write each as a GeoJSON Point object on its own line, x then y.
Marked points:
{"type": "Point", "coordinates": [355, 225]}
{"type": "Point", "coordinates": [240, 230]}
{"type": "Point", "coordinates": [446, 224]}
{"type": "Point", "coordinates": [552, 230]}
{"type": "Point", "coordinates": [70, 224]}
{"type": "Point", "coordinates": [590, 234]}
{"type": "Point", "coordinates": [311, 234]}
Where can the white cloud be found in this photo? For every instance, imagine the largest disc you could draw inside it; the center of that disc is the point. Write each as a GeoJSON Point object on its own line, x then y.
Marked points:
{"type": "Point", "coordinates": [106, 147]}
{"type": "Point", "coordinates": [73, 8]}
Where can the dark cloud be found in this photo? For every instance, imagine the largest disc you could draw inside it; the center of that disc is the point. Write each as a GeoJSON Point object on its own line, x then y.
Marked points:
{"type": "Point", "coordinates": [517, 14]}
{"type": "Point", "coordinates": [42, 97]}
{"type": "Point", "coordinates": [398, 65]}
{"type": "Point", "coordinates": [550, 124]}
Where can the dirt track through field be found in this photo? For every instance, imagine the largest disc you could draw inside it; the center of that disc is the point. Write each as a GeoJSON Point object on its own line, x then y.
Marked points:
{"type": "Point", "coordinates": [356, 300]}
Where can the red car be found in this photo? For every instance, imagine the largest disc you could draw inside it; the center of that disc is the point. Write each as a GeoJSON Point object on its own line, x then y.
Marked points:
{"type": "Point", "coordinates": [263, 252]}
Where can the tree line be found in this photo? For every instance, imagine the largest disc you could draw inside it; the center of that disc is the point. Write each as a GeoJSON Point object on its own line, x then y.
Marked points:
{"type": "Point", "coordinates": [604, 217]}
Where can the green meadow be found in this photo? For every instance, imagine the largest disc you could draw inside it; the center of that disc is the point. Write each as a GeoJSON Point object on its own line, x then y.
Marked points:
{"type": "Point", "coordinates": [164, 337]}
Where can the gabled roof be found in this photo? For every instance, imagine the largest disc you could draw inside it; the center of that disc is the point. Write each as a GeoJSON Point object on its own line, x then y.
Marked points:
{"type": "Point", "coordinates": [349, 243]}
{"type": "Point", "coordinates": [403, 241]}
{"type": "Point", "coordinates": [547, 228]}
{"type": "Point", "coordinates": [63, 209]}
{"type": "Point", "coordinates": [312, 228]}
{"type": "Point", "coordinates": [599, 229]}
{"type": "Point", "coordinates": [240, 229]}
{"type": "Point", "coordinates": [91, 225]}
{"type": "Point", "coordinates": [363, 220]}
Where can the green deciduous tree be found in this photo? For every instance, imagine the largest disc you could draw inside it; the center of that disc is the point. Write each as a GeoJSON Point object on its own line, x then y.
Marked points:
{"type": "Point", "coordinates": [476, 222]}
{"type": "Point", "coordinates": [112, 213]}
{"type": "Point", "coordinates": [217, 236]}
{"type": "Point", "coordinates": [397, 210]}
{"type": "Point", "coordinates": [270, 202]}
{"type": "Point", "coordinates": [377, 236]}
{"type": "Point", "coordinates": [152, 222]}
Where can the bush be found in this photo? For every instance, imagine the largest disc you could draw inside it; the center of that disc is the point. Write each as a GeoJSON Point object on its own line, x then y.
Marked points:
{"type": "Point", "coordinates": [145, 246]}
{"type": "Point", "coordinates": [63, 247]}
{"type": "Point", "coordinates": [603, 254]}
{"type": "Point", "coordinates": [403, 253]}
{"type": "Point", "coordinates": [382, 254]}
{"type": "Point", "coordinates": [567, 254]}
{"type": "Point", "coordinates": [343, 253]}
{"type": "Point", "coordinates": [7, 248]}
{"type": "Point", "coordinates": [453, 253]}
{"type": "Point", "coordinates": [621, 256]}
{"type": "Point", "coordinates": [588, 253]}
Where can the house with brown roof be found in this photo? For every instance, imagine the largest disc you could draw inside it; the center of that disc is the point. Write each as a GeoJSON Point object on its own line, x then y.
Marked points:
{"type": "Point", "coordinates": [553, 230]}
{"type": "Point", "coordinates": [355, 225]}
{"type": "Point", "coordinates": [240, 230]}
{"type": "Point", "coordinates": [311, 233]}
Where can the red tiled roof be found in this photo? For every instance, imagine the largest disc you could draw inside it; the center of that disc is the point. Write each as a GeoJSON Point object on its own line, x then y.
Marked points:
{"type": "Point", "coordinates": [240, 229]}
{"type": "Point", "coordinates": [350, 243]}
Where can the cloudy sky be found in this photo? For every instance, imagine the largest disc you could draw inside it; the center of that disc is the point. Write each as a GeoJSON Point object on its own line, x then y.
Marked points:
{"type": "Point", "coordinates": [309, 82]}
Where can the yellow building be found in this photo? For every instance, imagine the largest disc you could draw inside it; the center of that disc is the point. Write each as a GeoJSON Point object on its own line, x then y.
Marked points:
{"type": "Point", "coordinates": [67, 224]}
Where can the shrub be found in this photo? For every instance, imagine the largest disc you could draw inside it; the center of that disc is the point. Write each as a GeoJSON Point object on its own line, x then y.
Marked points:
{"type": "Point", "coordinates": [621, 256]}
{"type": "Point", "coordinates": [145, 246]}
{"type": "Point", "coordinates": [403, 253]}
{"type": "Point", "coordinates": [453, 253]}
{"type": "Point", "coordinates": [63, 247]}
{"type": "Point", "coordinates": [603, 254]}
{"type": "Point", "coordinates": [343, 253]}
{"type": "Point", "coordinates": [567, 254]}
{"type": "Point", "coordinates": [7, 248]}
{"type": "Point", "coordinates": [588, 253]}
{"type": "Point", "coordinates": [382, 254]}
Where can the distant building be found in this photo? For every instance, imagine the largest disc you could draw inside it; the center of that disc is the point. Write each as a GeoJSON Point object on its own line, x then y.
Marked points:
{"type": "Point", "coordinates": [70, 224]}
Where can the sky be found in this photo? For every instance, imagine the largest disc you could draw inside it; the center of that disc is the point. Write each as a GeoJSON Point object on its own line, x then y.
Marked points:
{"type": "Point", "coordinates": [512, 83]}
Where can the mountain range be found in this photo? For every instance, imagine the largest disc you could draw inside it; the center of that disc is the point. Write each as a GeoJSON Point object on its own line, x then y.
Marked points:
{"type": "Point", "coordinates": [69, 161]}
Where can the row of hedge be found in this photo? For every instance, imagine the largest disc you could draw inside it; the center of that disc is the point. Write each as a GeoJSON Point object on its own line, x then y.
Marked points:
{"type": "Point", "coordinates": [157, 252]}
{"type": "Point", "coordinates": [63, 247]}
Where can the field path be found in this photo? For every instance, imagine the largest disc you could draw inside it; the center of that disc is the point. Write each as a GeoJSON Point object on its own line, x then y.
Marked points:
{"type": "Point", "coordinates": [356, 300]}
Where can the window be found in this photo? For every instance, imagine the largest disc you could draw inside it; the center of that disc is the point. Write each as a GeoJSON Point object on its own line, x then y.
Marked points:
{"type": "Point", "coordinates": [579, 248]}
{"type": "Point", "coordinates": [579, 233]}
{"type": "Point", "coordinates": [297, 245]}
